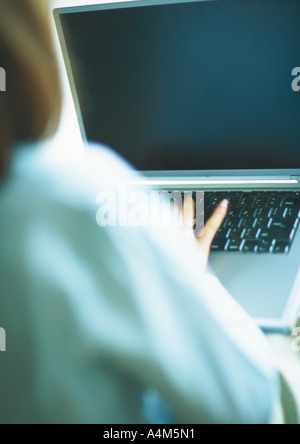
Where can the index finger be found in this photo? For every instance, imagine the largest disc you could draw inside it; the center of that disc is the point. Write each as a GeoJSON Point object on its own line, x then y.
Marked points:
{"type": "Point", "coordinates": [214, 224]}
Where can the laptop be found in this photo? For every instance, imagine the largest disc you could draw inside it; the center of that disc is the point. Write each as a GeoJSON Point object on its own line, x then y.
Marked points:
{"type": "Point", "coordinates": [202, 96]}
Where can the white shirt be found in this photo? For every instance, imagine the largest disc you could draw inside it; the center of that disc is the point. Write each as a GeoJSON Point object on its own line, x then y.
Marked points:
{"type": "Point", "coordinates": [95, 316]}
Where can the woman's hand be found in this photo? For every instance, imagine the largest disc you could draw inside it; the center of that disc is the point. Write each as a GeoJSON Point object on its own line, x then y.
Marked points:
{"type": "Point", "coordinates": [211, 228]}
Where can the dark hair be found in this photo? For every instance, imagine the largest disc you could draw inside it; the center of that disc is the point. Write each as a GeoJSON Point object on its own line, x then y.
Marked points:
{"type": "Point", "coordinates": [30, 108]}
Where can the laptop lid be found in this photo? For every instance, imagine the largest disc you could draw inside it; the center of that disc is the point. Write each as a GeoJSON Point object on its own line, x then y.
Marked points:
{"type": "Point", "coordinates": [180, 87]}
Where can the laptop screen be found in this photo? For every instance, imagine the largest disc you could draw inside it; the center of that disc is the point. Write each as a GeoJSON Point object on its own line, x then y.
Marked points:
{"type": "Point", "coordinates": [192, 85]}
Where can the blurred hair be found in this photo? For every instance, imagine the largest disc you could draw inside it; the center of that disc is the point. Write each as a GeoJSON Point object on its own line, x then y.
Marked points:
{"type": "Point", "coordinates": [30, 108]}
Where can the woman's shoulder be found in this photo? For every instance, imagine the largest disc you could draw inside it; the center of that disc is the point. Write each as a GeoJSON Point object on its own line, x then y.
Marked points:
{"type": "Point", "coordinates": [74, 179]}
{"type": "Point", "coordinates": [49, 190]}
{"type": "Point", "coordinates": [82, 196]}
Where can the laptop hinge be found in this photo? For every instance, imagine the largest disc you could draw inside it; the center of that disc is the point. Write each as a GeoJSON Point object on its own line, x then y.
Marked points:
{"type": "Point", "coordinates": [292, 180]}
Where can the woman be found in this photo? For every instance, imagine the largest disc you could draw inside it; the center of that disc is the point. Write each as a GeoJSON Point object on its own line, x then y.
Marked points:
{"type": "Point", "coordinates": [99, 320]}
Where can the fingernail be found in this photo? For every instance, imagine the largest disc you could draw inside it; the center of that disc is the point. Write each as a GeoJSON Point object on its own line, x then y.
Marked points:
{"type": "Point", "coordinates": [224, 204]}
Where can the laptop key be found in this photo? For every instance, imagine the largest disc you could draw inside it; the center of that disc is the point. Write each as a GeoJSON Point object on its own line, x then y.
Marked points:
{"type": "Point", "coordinates": [247, 212]}
{"type": "Point", "coordinates": [222, 233]}
{"type": "Point", "coordinates": [234, 245]}
{"type": "Point", "coordinates": [262, 201]}
{"type": "Point", "coordinates": [239, 194]}
{"type": "Point", "coordinates": [235, 233]}
{"type": "Point", "coordinates": [287, 193]}
{"type": "Point", "coordinates": [277, 212]}
{"type": "Point", "coordinates": [208, 198]}
{"type": "Point", "coordinates": [262, 222]}
{"type": "Point", "coordinates": [233, 201]}
{"type": "Point", "coordinates": [215, 202]}
{"type": "Point", "coordinates": [286, 234]}
{"type": "Point", "coordinates": [247, 201]}
{"type": "Point", "coordinates": [287, 223]}
{"type": "Point", "coordinates": [275, 202]}
{"type": "Point", "coordinates": [262, 212]}
{"type": "Point", "coordinates": [258, 193]}
{"type": "Point", "coordinates": [232, 213]}
{"type": "Point", "coordinates": [249, 234]}
{"type": "Point", "coordinates": [249, 246]}
{"type": "Point", "coordinates": [264, 234]}
{"type": "Point", "coordinates": [281, 247]}
{"type": "Point", "coordinates": [219, 245]}
{"type": "Point", "coordinates": [232, 222]}
{"type": "Point", "coordinates": [264, 246]}
{"type": "Point", "coordinates": [292, 202]}
{"type": "Point", "coordinates": [247, 222]}
{"type": "Point", "coordinates": [291, 212]}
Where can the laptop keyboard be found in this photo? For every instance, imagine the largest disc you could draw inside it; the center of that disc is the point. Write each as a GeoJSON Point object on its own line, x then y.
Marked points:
{"type": "Point", "coordinates": [257, 222]}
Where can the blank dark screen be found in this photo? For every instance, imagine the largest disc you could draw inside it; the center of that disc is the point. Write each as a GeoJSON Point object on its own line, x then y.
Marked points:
{"type": "Point", "coordinates": [191, 86]}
